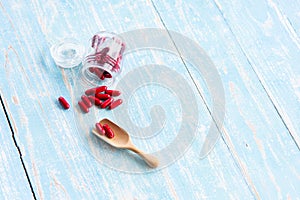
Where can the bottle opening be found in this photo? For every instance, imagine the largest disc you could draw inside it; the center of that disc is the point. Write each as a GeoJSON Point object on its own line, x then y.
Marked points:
{"type": "Point", "coordinates": [96, 75]}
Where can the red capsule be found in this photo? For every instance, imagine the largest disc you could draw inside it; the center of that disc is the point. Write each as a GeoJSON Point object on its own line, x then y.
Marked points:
{"type": "Point", "coordinates": [105, 50]}
{"type": "Point", "coordinates": [83, 107]}
{"type": "Point", "coordinates": [100, 129]}
{"type": "Point", "coordinates": [102, 96]}
{"type": "Point", "coordinates": [102, 77]}
{"type": "Point", "coordinates": [92, 69]}
{"type": "Point", "coordinates": [115, 104]}
{"type": "Point", "coordinates": [108, 132]}
{"type": "Point", "coordinates": [95, 90]}
{"type": "Point", "coordinates": [64, 103]}
{"type": "Point", "coordinates": [95, 100]}
{"type": "Point", "coordinates": [113, 92]}
{"type": "Point", "coordinates": [106, 103]}
{"type": "Point", "coordinates": [86, 101]}
{"type": "Point", "coordinates": [98, 72]}
{"type": "Point", "coordinates": [107, 75]}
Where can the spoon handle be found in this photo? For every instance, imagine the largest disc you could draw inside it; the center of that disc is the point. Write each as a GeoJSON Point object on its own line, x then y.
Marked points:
{"type": "Point", "coordinates": [149, 159]}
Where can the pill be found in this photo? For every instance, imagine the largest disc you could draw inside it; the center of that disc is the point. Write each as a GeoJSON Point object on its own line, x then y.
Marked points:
{"type": "Point", "coordinates": [115, 104]}
{"type": "Point", "coordinates": [106, 103]}
{"type": "Point", "coordinates": [107, 75]}
{"type": "Point", "coordinates": [96, 90]}
{"type": "Point", "coordinates": [98, 72]}
{"type": "Point", "coordinates": [83, 107]}
{"type": "Point", "coordinates": [86, 101]}
{"type": "Point", "coordinates": [91, 69]}
{"type": "Point", "coordinates": [105, 50]}
{"type": "Point", "coordinates": [102, 77]}
{"type": "Point", "coordinates": [99, 58]}
{"type": "Point", "coordinates": [113, 92]}
{"type": "Point", "coordinates": [95, 100]}
{"type": "Point", "coordinates": [64, 103]}
{"type": "Point", "coordinates": [101, 89]}
{"type": "Point", "coordinates": [108, 132]}
{"type": "Point", "coordinates": [102, 96]}
{"type": "Point", "coordinates": [100, 129]}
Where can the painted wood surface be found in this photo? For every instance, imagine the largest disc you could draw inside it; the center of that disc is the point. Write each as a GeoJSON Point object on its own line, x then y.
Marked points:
{"type": "Point", "coordinates": [274, 55]}
{"type": "Point", "coordinates": [262, 138]}
{"type": "Point", "coordinates": [56, 159]}
{"type": "Point", "coordinates": [13, 181]}
{"type": "Point", "coordinates": [257, 156]}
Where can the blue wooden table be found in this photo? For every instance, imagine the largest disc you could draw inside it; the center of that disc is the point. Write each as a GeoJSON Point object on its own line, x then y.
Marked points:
{"type": "Point", "coordinates": [255, 46]}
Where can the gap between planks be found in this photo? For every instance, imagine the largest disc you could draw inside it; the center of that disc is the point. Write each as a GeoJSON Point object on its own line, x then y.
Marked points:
{"type": "Point", "coordinates": [231, 149]}
{"type": "Point", "coordinates": [291, 133]}
{"type": "Point", "coordinates": [17, 146]}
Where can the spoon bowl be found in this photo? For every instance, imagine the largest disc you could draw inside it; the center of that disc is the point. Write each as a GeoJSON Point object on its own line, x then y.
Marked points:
{"type": "Point", "coordinates": [122, 140]}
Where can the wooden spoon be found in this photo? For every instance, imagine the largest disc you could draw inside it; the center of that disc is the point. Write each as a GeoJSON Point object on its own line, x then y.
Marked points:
{"type": "Point", "coordinates": [122, 141]}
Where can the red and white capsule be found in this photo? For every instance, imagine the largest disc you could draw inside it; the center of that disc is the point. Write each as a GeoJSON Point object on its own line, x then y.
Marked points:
{"type": "Point", "coordinates": [64, 103]}
{"type": "Point", "coordinates": [108, 131]}
{"type": "Point", "coordinates": [115, 104]}
{"type": "Point", "coordinates": [83, 107]}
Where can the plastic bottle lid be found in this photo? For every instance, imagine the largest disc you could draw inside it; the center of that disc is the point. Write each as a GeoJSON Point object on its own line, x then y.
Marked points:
{"type": "Point", "coordinates": [68, 53]}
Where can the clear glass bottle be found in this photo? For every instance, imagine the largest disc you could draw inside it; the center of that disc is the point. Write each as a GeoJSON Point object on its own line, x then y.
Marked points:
{"type": "Point", "coordinates": [103, 63]}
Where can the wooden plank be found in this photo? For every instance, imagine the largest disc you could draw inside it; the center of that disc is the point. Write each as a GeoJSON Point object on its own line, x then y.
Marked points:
{"type": "Point", "coordinates": [253, 130]}
{"type": "Point", "coordinates": [288, 15]}
{"type": "Point", "coordinates": [13, 181]}
{"type": "Point", "coordinates": [276, 56]}
{"type": "Point", "coordinates": [59, 162]}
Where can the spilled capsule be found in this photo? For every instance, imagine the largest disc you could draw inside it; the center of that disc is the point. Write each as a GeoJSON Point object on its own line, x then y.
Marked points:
{"type": "Point", "coordinates": [64, 103]}
{"type": "Point", "coordinates": [83, 107]}
{"type": "Point", "coordinates": [95, 100]}
{"type": "Point", "coordinates": [102, 96]}
{"type": "Point", "coordinates": [113, 92]}
{"type": "Point", "coordinates": [95, 90]}
{"type": "Point", "coordinates": [115, 104]}
{"type": "Point", "coordinates": [106, 103]}
{"type": "Point", "coordinates": [86, 101]}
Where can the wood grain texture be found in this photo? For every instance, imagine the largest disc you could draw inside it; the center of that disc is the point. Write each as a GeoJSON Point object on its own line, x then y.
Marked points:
{"type": "Point", "coordinates": [59, 164]}
{"type": "Point", "coordinates": [275, 57]}
{"type": "Point", "coordinates": [253, 130]}
{"type": "Point", "coordinates": [288, 14]}
{"type": "Point", "coordinates": [13, 181]}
